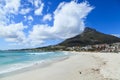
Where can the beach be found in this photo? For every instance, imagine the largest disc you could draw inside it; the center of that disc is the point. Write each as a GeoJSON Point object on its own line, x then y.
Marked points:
{"type": "Point", "coordinates": [79, 66]}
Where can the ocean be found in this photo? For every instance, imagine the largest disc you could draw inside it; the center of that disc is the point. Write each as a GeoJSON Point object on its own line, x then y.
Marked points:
{"type": "Point", "coordinates": [12, 61]}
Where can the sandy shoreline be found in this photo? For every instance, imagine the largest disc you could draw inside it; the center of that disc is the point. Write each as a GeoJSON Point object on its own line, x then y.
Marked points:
{"type": "Point", "coordinates": [33, 66]}
{"type": "Point", "coordinates": [80, 66]}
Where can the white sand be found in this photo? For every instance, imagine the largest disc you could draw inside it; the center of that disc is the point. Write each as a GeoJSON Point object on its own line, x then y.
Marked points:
{"type": "Point", "coordinates": [81, 66]}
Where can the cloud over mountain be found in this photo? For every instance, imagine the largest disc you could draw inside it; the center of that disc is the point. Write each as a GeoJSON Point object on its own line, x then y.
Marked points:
{"type": "Point", "coordinates": [68, 22]}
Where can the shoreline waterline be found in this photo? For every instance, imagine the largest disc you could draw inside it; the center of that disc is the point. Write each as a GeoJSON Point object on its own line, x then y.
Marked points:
{"type": "Point", "coordinates": [33, 65]}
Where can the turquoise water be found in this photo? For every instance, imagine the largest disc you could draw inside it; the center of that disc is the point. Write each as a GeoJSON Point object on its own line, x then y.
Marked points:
{"type": "Point", "coordinates": [10, 61]}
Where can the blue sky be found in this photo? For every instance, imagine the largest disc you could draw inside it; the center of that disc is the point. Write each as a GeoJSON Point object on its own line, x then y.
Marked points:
{"type": "Point", "coordinates": [37, 23]}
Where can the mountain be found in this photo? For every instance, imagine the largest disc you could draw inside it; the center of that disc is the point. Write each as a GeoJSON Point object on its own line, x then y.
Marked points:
{"type": "Point", "coordinates": [90, 37]}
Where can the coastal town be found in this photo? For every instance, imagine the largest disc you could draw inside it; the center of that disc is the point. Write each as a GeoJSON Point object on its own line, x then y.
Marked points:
{"type": "Point", "coordinates": [115, 47]}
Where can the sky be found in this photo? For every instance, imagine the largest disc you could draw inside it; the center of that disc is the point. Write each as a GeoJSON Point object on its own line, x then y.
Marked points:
{"type": "Point", "coordinates": [37, 23]}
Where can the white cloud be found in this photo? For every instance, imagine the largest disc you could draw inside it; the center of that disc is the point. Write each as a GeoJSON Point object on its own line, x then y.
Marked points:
{"type": "Point", "coordinates": [13, 32]}
{"type": "Point", "coordinates": [68, 22]}
{"type": "Point", "coordinates": [75, 0]}
{"type": "Point", "coordinates": [9, 30]}
{"type": "Point", "coordinates": [69, 19]}
{"type": "Point", "coordinates": [47, 17]}
{"type": "Point", "coordinates": [37, 3]}
{"type": "Point", "coordinates": [117, 35]}
{"type": "Point", "coordinates": [37, 37]}
{"type": "Point", "coordinates": [39, 10]}
{"type": "Point", "coordinates": [30, 18]}
{"type": "Point", "coordinates": [25, 11]}
{"type": "Point", "coordinates": [31, 1]}
{"type": "Point", "coordinates": [12, 6]}
{"type": "Point", "coordinates": [8, 7]}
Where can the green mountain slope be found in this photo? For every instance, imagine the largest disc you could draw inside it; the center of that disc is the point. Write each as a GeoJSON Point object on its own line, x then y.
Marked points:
{"type": "Point", "coordinates": [90, 37]}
